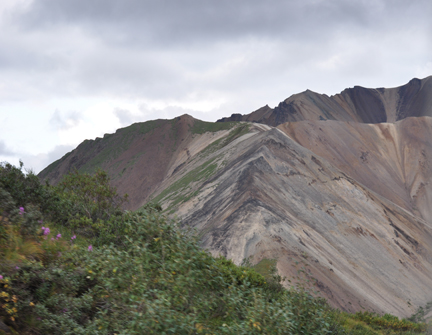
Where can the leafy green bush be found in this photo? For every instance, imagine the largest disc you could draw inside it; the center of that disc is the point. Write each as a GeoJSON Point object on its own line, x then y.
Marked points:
{"type": "Point", "coordinates": [389, 321]}
{"type": "Point", "coordinates": [89, 201]}
{"type": "Point", "coordinates": [157, 280]}
{"type": "Point", "coordinates": [26, 189]}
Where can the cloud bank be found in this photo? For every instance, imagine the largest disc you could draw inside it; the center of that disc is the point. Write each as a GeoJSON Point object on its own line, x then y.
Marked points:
{"type": "Point", "coordinates": [71, 61]}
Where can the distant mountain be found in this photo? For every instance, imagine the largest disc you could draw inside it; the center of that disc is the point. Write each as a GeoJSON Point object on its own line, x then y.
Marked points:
{"type": "Point", "coordinates": [357, 104]}
{"type": "Point", "coordinates": [349, 197]}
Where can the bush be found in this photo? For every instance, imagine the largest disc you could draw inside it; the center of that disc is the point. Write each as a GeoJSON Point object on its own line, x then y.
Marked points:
{"type": "Point", "coordinates": [156, 280]}
{"type": "Point", "coordinates": [388, 321]}
{"type": "Point", "coordinates": [24, 190]}
{"type": "Point", "coordinates": [89, 202]}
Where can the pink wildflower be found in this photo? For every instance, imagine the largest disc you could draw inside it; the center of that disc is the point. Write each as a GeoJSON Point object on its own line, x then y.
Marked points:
{"type": "Point", "coordinates": [90, 248]}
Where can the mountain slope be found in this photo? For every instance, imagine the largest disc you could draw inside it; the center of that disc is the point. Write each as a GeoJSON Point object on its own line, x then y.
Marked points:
{"type": "Point", "coordinates": [138, 158]}
{"type": "Point", "coordinates": [392, 159]}
{"type": "Point", "coordinates": [349, 199]}
{"type": "Point", "coordinates": [275, 199]}
{"type": "Point", "coordinates": [357, 104]}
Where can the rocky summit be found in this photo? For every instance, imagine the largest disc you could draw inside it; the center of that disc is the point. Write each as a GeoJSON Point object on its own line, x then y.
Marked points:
{"type": "Point", "coordinates": [337, 187]}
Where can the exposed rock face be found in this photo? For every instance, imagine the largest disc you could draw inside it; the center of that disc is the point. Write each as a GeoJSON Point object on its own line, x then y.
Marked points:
{"type": "Point", "coordinates": [276, 199]}
{"type": "Point", "coordinates": [351, 198]}
{"type": "Point", "coordinates": [393, 160]}
{"type": "Point", "coordinates": [357, 104]}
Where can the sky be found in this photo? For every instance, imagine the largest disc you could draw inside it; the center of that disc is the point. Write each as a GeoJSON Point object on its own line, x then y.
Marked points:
{"type": "Point", "coordinates": [72, 70]}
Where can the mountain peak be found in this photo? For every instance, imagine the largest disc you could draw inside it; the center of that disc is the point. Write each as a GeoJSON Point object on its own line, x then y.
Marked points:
{"type": "Point", "coordinates": [358, 104]}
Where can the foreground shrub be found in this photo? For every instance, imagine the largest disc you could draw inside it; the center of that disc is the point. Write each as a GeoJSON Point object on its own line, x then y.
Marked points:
{"type": "Point", "coordinates": [388, 321]}
{"type": "Point", "coordinates": [26, 190]}
{"type": "Point", "coordinates": [157, 280]}
{"type": "Point", "coordinates": [90, 197]}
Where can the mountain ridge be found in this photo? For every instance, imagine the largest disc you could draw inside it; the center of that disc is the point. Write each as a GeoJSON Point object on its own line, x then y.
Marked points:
{"type": "Point", "coordinates": [248, 224]}
{"type": "Point", "coordinates": [357, 104]}
{"type": "Point", "coordinates": [350, 199]}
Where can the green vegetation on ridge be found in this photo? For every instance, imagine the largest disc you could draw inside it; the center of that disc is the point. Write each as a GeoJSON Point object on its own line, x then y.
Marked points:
{"type": "Point", "coordinates": [181, 190]}
{"type": "Point", "coordinates": [101, 151]}
{"type": "Point", "coordinates": [173, 192]}
{"type": "Point", "coordinates": [201, 127]}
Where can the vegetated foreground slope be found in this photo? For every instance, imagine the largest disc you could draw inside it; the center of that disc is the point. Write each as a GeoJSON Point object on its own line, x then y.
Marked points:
{"type": "Point", "coordinates": [349, 200]}
{"type": "Point", "coordinates": [357, 104]}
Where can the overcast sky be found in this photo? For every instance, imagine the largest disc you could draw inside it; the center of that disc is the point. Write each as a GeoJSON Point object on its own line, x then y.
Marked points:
{"type": "Point", "coordinates": [72, 70]}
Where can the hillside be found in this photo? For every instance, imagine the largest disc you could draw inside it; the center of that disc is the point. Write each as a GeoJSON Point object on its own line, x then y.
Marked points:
{"type": "Point", "coordinates": [274, 199]}
{"type": "Point", "coordinates": [139, 157]}
{"type": "Point", "coordinates": [350, 197]}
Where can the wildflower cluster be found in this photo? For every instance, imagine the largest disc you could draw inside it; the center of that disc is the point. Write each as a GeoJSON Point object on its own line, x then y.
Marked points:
{"type": "Point", "coordinates": [45, 231]}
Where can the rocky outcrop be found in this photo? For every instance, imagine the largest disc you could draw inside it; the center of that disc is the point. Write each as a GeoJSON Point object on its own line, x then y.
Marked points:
{"type": "Point", "coordinates": [391, 159]}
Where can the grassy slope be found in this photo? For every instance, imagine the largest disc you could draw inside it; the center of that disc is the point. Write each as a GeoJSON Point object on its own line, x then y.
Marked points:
{"type": "Point", "coordinates": [188, 185]}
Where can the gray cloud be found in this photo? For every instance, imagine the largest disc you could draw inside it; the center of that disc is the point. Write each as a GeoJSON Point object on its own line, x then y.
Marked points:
{"type": "Point", "coordinates": [125, 117]}
{"type": "Point", "coordinates": [255, 52]}
{"type": "Point", "coordinates": [38, 162]}
{"type": "Point", "coordinates": [58, 152]}
{"type": "Point", "coordinates": [61, 121]}
{"type": "Point", "coordinates": [234, 56]}
{"type": "Point", "coordinates": [175, 49]}
{"type": "Point", "coordinates": [4, 150]}
{"type": "Point", "coordinates": [33, 162]}
{"type": "Point", "coordinates": [189, 21]}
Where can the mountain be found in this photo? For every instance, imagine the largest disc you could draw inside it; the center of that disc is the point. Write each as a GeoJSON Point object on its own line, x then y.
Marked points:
{"type": "Point", "coordinates": [356, 104]}
{"type": "Point", "coordinates": [140, 157]}
{"type": "Point", "coordinates": [274, 199]}
{"type": "Point", "coordinates": [348, 199]}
